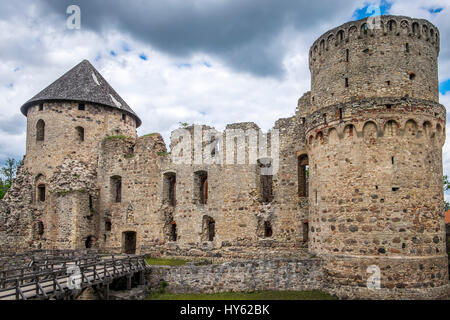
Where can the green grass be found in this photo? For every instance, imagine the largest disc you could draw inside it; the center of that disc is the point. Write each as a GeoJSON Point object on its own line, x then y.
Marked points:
{"type": "Point", "coordinates": [166, 262]}
{"type": "Point", "coordinates": [259, 295]}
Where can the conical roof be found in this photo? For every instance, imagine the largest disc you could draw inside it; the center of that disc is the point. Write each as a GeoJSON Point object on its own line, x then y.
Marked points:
{"type": "Point", "coordinates": [82, 84]}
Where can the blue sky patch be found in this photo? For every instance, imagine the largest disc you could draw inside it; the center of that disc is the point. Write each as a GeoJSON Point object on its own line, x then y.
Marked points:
{"type": "Point", "coordinates": [362, 13]}
{"type": "Point", "coordinates": [98, 57]}
{"type": "Point", "coordinates": [208, 65]}
{"type": "Point", "coordinates": [444, 86]}
{"type": "Point", "coordinates": [435, 10]}
{"type": "Point", "coordinates": [17, 69]}
{"type": "Point", "coordinates": [126, 47]}
{"type": "Point", "coordinates": [184, 65]}
{"type": "Point", "coordinates": [142, 56]}
{"type": "Point", "coordinates": [113, 53]}
{"type": "Point", "coordinates": [10, 85]}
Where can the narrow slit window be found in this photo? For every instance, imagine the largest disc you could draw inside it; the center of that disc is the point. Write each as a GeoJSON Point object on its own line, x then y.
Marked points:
{"type": "Point", "coordinates": [116, 189]}
{"type": "Point", "coordinates": [41, 107]}
{"type": "Point", "coordinates": [41, 192]}
{"type": "Point", "coordinates": [346, 82]}
{"type": "Point", "coordinates": [341, 114]}
{"type": "Point", "coordinates": [347, 55]}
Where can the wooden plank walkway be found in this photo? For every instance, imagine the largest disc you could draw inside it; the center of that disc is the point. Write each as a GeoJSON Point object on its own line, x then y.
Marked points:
{"type": "Point", "coordinates": [62, 277]}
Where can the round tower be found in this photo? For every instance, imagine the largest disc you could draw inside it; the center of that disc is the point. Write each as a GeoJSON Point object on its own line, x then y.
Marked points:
{"type": "Point", "coordinates": [375, 134]}
{"type": "Point", "coordinates": [66, 124]}
{"type": "Point", "coordinates": [72, 116]}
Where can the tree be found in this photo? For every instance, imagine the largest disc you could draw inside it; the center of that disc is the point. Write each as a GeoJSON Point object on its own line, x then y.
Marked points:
{"type": "Point", "coordinates": [8, 172]}
{"type": "Point", "coordinates": [2, 189]}
{"type": "Point", "coordinates": [446, 183]}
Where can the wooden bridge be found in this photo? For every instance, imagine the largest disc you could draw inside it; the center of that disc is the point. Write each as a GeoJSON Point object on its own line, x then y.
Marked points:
{"type": "Point", "coordinates": [65, 274]}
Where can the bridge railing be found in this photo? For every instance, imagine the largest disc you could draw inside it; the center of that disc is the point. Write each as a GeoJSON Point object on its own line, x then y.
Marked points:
{"type": "Point", "coordinates": [39, 280]}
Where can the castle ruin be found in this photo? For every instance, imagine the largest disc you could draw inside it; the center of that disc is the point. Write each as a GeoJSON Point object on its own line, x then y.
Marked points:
{"type": "Point", "coordinates": [358, 179]}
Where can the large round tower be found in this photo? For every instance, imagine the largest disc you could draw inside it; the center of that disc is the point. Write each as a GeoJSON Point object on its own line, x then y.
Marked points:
{"type": "Point", "coordinates": [66, 124]}
{"type": "Point", "coordinates": [375, 135]}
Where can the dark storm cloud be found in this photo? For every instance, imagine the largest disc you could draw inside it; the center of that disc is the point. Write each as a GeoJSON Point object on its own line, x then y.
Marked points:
{"type": "Point", "coordinates": [243, 33]}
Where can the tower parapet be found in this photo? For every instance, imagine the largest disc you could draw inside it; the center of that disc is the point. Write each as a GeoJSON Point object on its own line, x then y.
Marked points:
{"type": "Point", "coordinates": [397, 58]}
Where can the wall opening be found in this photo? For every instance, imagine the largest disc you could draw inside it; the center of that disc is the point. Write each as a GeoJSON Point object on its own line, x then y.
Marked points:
{"type": "Point", "coordinates": [40, 228]}
{"type": "Point", "coordinates": [303, 175]}
{"type": "Point", "coordinates": [82, 107]}
{"type": "Point", "coordinates": [267, 229]}
{"type": "Point", "coordinates": [208, 229]}
{"type": "Point", "coordinates": [80, 134]}
{"type": "Point", "coordinates": [41, 192]}
{"type": "Point", "coordinates": [341, 114]}
{"type": "Point", "coordinates": [41, 107]}
{"type": "Point", "coordinates": [40, 130]}
{"type": "Point", "coordinates": [173, 232]}
{"type": "Point", "coordinates": [346, 82]}
{"type": "Point", "coordinates": [108, 226]}
{"type": "Point", "coordinates": [347, 55]}
{"type": "Point", "coordinates": [124, 117]}
{"type": "Point", "coordinates": [305, 229]}
{"type": "Point", "coordinates": [129, 242]}
{"type": "Point", "coordinates": [201, 187]}
{"type": "Point", "coordinates": [116, 188]}
{"type": "Point", "coordinates": [412, 76]}
{"type": "Point", "coordinates": [169, 188]}
{"type": "Point", "coordinates": [266, 179]}
{"type": "Point", "coordinates": [89, 243]}
{"type": "Point", "coordinates": [316, 200]}
{"type": "Point", "coordinates": [407, 47]}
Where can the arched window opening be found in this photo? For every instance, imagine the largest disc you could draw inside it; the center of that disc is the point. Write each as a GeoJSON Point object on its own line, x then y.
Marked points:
{"type": "Point", "coordinates": [416, 28]}
{"type": "Point", "coordinates": [201, 187]}
{"type": "Point", "coordinates": [392, 26]}
{"type": "Point", "coordinates": [266, 174]}
{"type": "Point", "coordinates": [173, 231]}
{"type": "Point", "coordinates": [267, 229]}
{"type": "Point", "coordinates": [108, 226]}
{"type": "Point", "coordinates": [116, 188]}
{"type": "Point", "coordinates": [364, 29]}
{"type": "Point", "coordinates": [41, 192]}
{"type": "Point", "coordinates": [80, 133]}
{"type": "Point", "coordinates": [303, 175]}
{"type": "Point", "coordinates": [40, 130]}
{"type": "Point", "coordinates": [209, 229]}
{"type": "Point", "coordinates": [340, 36]}
{"type": "Point", "coordinates": [169, 189]}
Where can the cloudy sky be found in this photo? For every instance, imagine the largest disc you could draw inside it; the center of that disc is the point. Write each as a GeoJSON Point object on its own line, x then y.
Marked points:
{"type": "Point", "coordinates": [198, 61]}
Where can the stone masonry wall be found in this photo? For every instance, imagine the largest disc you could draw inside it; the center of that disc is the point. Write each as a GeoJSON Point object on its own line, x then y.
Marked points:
{"type": "Point", "coordinates": [255, 275]}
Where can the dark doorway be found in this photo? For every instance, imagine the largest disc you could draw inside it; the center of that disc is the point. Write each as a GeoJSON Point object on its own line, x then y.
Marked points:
{"type": "Point", "coordinates": [267, 229]}
{"type": "Point", "coordinates": [129, 242]}
{"type": "Point", "coordinates": [173, 231]}
{"type": "Point", "coordinates": [89, 242]}
{"type": "Point", "coordinates": [209, 229]}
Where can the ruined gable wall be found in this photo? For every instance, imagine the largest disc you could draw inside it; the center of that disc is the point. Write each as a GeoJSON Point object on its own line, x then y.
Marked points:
{"type": "Point", "coordinates": [137, 162]}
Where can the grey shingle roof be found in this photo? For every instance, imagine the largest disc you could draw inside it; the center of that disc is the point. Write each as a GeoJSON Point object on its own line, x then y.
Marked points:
{"type": "Point", "coordinates": [82, 84]}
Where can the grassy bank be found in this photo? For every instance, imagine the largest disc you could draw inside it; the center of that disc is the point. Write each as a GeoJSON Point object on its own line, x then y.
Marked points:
{"type": "Point", "coordinates": [259, 295]}
{"type": "Point", "coordinates": [166, 262]}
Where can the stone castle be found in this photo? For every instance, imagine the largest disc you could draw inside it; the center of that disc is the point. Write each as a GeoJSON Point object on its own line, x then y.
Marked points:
{"type": "Point", "coordinates": [358, 180]}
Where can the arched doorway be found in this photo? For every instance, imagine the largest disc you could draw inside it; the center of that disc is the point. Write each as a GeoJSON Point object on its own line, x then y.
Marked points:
{"type": "Point", "coordinates": [129, 242]}
{"type": "Point", "coordinates": [89, 243]}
